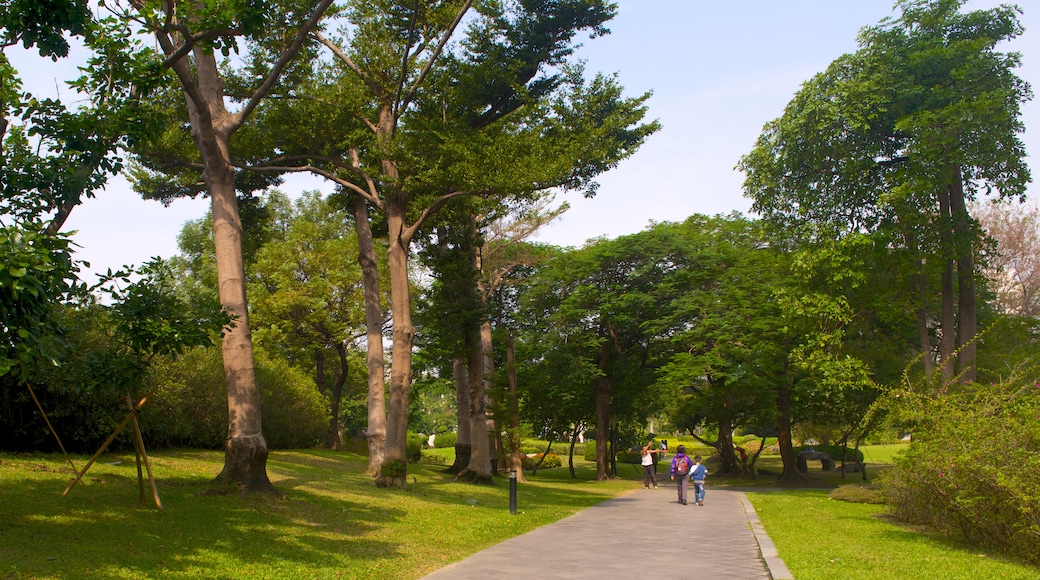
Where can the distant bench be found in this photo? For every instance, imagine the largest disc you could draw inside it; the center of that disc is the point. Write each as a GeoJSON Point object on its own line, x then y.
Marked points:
{"type": "Point", "coordinates": [805, 456]}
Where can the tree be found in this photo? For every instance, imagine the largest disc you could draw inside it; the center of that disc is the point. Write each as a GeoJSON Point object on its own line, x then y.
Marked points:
{"type": "Point", "coordinates": [422, 126]}
{"type": "Point", "coordinates": [189, 34]}
{"type": "Point", "coordinates": [53, 157]}
{"type": "Point", "coordinates": [596, 310]}
{"type": "Point", "coordinates": [718, 331]}
{"type": "Point", "coordinates": [896, 138]}
{"type": "Point", "coordinates": [308, 303]}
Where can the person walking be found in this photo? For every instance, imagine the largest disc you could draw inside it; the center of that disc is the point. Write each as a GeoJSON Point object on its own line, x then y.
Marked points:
{"type": "Point", "coordinates": [699, 472]}
{"type": "Point", "coordinates": [681, 465]}
{"type": "Point", "coordinates": [649, 461]}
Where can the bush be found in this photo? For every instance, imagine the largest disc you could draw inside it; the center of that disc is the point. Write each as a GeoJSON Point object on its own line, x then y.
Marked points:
{"type": "Point", "coordinates": [415, 445]}
{"type": "Point", "coordinates": [533, 446]}
{"type": "Point", "coordinates": [445, 440]}
{"type": "Point", "coordinates": [858, 493]}
{"type": "Point", "coordinates": [190, 407]}
{"type": "Point", "coordinates": [973, 470]}
{"type": "Point", "coordinates": [628, 456]}
{"type": "Point", "coordinates": [551, 460]}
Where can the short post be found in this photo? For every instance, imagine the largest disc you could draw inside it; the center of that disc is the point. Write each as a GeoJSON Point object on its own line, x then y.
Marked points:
{"type": "Point", "coordinates": [512, 491]}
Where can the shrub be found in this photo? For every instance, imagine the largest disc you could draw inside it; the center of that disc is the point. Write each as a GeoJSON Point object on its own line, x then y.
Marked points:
{"type": "Point", "coordinates": [530, 446]}
{"type": "Point", "coordinates": [415, 446]}
{"type": "Point", "coordinates": [590, 450]}
{"type": "Point", "coordinates": [190, 407]}
{"type": "Point", "coordinates": [551, 460]}
{"type": "Point", "coordinates": [973, 470]}
{"type": "Point", "coordinates": [629, 456]}
{"type": "Point", "coordinates": [858, 493]}
{"type": "Point", "coordinates": [445, 440]}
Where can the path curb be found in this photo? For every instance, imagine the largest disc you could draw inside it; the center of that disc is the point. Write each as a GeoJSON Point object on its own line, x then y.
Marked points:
{"type": "Point", "coordinates": [777, 569]}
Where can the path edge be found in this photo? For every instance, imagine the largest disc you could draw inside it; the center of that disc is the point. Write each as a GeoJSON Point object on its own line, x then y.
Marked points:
{"type": "Point", "coordinates": [775, 566]}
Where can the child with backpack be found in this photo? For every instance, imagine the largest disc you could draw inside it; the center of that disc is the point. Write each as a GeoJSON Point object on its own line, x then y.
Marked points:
{"type": "Point", "coordinates": [681, 466]}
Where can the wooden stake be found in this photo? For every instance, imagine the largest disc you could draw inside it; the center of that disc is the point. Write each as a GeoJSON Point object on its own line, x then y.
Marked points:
{"type": "Point", "coordinates": [105, 445]}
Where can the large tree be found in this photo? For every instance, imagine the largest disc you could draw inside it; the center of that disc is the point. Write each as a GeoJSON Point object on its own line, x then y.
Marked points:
{"type": "Point", "coordinates": [897, 138]}
{"type": "Point", "coordinates": [190, 35]}
{"type": "Point", "coordinates": [421, 122]}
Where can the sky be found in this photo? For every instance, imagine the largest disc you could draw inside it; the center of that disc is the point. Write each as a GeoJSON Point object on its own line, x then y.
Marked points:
{"type": "Point", "coordinates": [718, 72]}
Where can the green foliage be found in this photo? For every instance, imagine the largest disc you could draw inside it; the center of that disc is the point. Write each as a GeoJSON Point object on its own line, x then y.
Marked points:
{"type": "Point", "coordinates": [394, 468]}
{"type": "Point", "coordinates": [190, 407]}
{"type": "Point", "coordinates": [445, 440]}
{"type": "Point", "coordinates": [590, 451]}
{"type": "Point", "coordinates": [415, 445]}
{"type": "Point", "coordinates": [972, 469]}
{"type": "Point", "coordinates": [629, 456]}
{"type": "Point", "coordinates": [551, 460]}
{"type": "Point", "coordinates": [532, 446]}
{"type": "Point", "coordinates": [36, 270]}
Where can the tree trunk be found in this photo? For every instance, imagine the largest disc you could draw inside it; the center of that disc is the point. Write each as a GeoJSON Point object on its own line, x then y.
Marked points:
{"type": "Point", "coordinates": [947, 344]}
{"type": "Point", "coordinates": [570, 452]}
{"type": "Point", "coordinates": [727, 457]}
{"type": "Point", "coordinates": [494, 425]}
{"type": "Point", "coordinates": [601, 391]}
{"type": "Point", "coordinates": [336, 397]}
{"type": "Point", "coordinates": [462, 442]}
{"type": "Point", "coordinates": [516, 453]}
{"type": "Point", "coordinates": [479, 468]}
{"type": "Point", "coordinates": [245, 456]}
{"type": "Point", "coordinates": [967, 316]}
{"type": "Point", "coordinates": [922, 324]}
{"type": "Point", "coordinates": [783, 427]}
{"type": "Point", "coordinates": [401, 352]}
{"type": "Point", "coordinates": [375, 433]}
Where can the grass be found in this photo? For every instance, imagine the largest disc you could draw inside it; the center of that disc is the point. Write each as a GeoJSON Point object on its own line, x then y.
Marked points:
{"type": "Point", "coordinates": [819, 538]}
{"type": "Point", "coordinates": [331, 522]}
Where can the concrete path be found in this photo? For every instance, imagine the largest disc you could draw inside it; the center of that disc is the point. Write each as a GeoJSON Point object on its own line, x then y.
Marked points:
{"type": "Point", "coordinates": [641, 534]}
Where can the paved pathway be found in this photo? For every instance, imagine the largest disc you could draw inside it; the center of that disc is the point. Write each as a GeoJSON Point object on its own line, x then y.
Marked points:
{"type": "Point", "coordinates": [641, 534]}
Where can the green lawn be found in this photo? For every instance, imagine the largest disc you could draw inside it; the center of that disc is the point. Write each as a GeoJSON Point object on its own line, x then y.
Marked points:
{"type": "Point", "coordinates": [820, 538]}
{"type": "Point", "coordinates": [332, 522]}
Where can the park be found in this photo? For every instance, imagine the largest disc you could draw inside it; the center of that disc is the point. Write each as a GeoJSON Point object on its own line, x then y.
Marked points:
{"type": "Point", "coordinates": [388, 373]}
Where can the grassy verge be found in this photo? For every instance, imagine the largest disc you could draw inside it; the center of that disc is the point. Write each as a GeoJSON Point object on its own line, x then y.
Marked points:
{"type": "Point", "coordinates": [819, 538]}
{"type": "Point", "coordinates": [331, 522]}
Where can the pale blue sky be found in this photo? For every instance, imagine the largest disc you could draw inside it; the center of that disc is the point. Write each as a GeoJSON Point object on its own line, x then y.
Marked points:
{"type": "Point", "coordinates": [718, 71]}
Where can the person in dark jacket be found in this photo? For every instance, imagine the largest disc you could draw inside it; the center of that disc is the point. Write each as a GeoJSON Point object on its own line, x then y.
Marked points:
{"type": "Point", "coordinates": [681, 466]}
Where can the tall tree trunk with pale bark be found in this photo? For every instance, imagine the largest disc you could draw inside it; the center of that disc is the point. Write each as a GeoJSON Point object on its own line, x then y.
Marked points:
{"type": "Point", "coordinates": [516, 454]}
{"type": "Point", "coordinates": [401, 351]}
{"type": "Point", "coordinates": [375, 432]}
{"type": "Point", "coordinates": [245, 454]}
{"type": "Point", "coordinates": [212, 126]}
{"type": "Point", "coordinates": [479, 468]}
{"type": "Point", "coordinates": [463, 446]}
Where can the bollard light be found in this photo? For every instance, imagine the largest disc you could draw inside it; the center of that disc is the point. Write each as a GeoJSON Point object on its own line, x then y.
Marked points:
{"type": "Point", "coordinates": [512, 491]}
